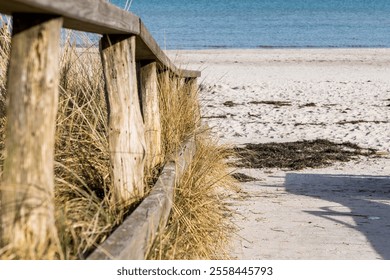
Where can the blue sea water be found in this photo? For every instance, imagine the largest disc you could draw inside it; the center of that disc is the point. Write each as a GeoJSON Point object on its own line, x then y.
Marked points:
{"type": "Point", "coordinates": [200, 24]}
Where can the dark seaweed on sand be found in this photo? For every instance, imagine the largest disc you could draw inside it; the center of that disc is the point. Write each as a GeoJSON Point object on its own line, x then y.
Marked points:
{"type": "Point", "coordinates": [298, 155]}
{"type": "Point", "coordinates": [241, 177]}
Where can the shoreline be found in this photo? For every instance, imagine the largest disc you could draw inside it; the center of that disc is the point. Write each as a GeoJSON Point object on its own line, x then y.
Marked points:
{"type": "Point", "coordinates": [217, 48]}
{"type": "Point", "coordinates": [345, 55]}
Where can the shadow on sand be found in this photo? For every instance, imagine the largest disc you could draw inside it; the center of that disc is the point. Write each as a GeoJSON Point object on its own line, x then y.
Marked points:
{"type": "Point", "coordinates": [367, 198]}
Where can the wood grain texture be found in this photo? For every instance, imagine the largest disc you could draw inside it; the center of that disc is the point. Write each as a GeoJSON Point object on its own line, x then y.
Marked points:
{"type": "Point", "coordinates": [27, 190]}
{"type": "Point", "coordinates": [126, 127]}
{"type": "Point", "coordinates": [133, 239]}
{"type": "Point", "coordinates": [151, 114]}
{"type": "Point", "coordinates": [97, 16]}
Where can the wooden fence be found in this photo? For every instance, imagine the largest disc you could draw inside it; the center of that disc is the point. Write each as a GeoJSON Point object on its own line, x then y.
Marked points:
{"type": "Point", "coordinates": [33, 79]}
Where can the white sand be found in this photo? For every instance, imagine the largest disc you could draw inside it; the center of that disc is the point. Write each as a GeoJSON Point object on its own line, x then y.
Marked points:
{"type": "Point", "coordinates": [339, 212]}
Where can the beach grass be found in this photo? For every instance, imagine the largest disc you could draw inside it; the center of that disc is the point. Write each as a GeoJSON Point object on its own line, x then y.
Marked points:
{"type": "Point", "coordinates": [199, 226]}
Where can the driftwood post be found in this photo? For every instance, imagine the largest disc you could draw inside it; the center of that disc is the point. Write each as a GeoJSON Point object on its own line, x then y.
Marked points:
{"type": "Point", "coordinates": [27, 189]}
{"type": "Point", "coordinates": [151, 114]}
{"type": "Point", "coordinates": [126, 128]}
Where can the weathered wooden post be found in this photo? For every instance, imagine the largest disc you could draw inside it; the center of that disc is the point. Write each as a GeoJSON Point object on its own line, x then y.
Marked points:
{"type": "Point", "coordinates": [151, 114]}
{"type": "Point", "coordinates": [27, 188]}
{"type": "Point", "coordinates": [126, 128]}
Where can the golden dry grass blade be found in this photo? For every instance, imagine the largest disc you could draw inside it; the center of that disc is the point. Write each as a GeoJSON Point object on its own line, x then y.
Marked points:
{"type": "Point", "coordinates": [178, 110]}
{"type": "Point", "coordinates": [199, 227]}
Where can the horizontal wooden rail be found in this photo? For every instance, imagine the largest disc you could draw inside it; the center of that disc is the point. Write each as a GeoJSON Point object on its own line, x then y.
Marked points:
{"type": "Point", "coordinates": [101, 17]}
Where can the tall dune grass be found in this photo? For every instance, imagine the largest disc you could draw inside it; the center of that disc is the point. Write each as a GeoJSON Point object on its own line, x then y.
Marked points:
{"type": "Point", "coordinates": [85, 215]}
{"type": "Point", "coordinates": [199, 226]}
{"type": "Point", "coordinates": [179, 112]}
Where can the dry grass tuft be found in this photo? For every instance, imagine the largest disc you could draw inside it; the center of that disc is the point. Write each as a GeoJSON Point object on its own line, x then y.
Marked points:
{"type": "Point", "coordinates": [199, 225]}
{"type": "Point", "coordinates": [85, 214]}
{"type": "Point", "coordinates": [179, 112]}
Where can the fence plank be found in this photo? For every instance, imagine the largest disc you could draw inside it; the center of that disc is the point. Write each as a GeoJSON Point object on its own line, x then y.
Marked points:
{"type": "Point", "coordinates": [151, 114]}
{"type": "Point", "coordinates": [98, 16]}
{"type": "Point", "coordinates": [126, 128]}
{"type": "Point", "coordinates": [27, 191]}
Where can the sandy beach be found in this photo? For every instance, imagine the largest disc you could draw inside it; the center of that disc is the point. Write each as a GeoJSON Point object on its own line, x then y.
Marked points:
{"type": "Point", "coordinates": [283, 95]}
